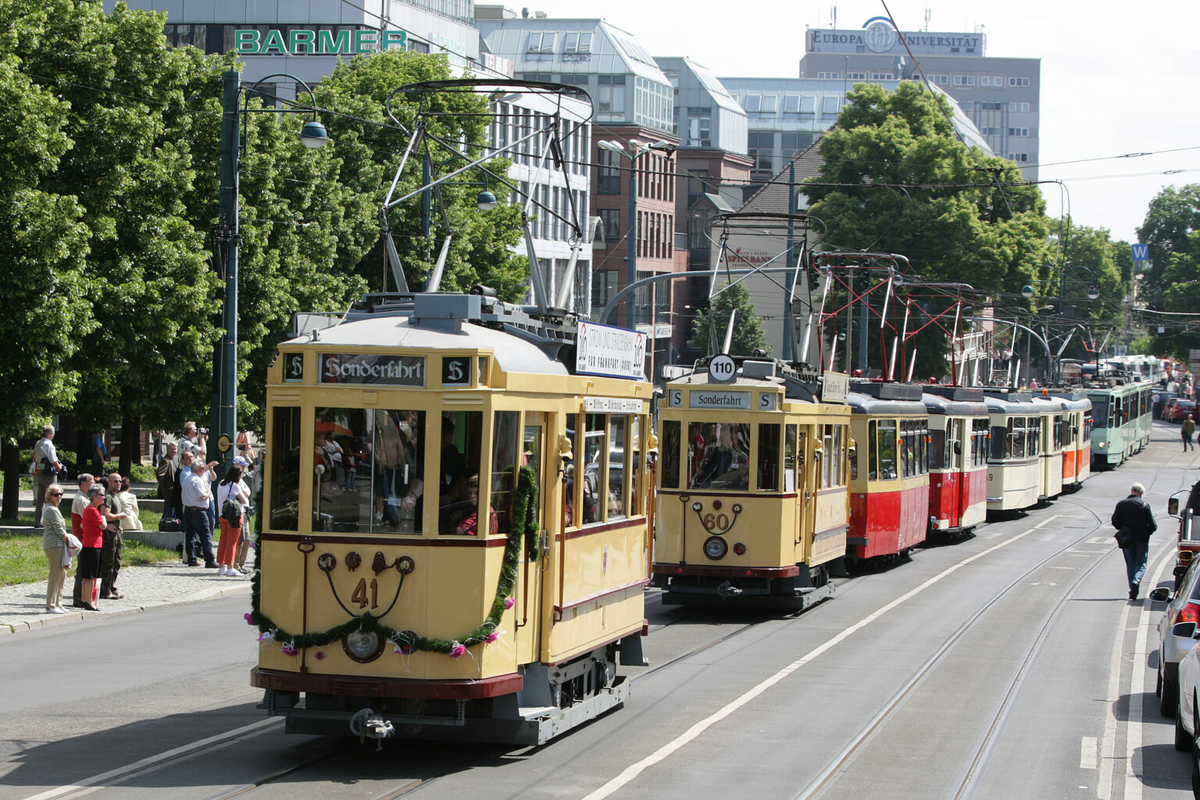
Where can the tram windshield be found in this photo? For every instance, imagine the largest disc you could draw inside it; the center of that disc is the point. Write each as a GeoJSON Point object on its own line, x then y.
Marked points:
{"type": "Point", "coordinates": [1099, 412]}
{"type": "Point", "coordinates": [719, 455]}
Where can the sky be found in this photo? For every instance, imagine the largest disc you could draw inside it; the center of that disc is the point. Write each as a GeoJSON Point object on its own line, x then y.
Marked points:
{"type": "Point", "coordinates": [1117, 78]}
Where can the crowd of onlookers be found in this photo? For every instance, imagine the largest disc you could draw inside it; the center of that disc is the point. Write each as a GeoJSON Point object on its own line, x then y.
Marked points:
{"type": "Point", "coordinates": [103, 508]}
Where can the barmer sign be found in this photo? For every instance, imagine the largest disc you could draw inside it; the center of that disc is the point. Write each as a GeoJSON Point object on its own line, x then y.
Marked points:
{"type": "Point", "coordinates": [321, 42]}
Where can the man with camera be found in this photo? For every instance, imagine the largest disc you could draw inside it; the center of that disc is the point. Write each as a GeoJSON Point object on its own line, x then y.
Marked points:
{"type": "Point", "coordinates": [46, 469]}
{"type": "Point", "coordinates": [194, 441]}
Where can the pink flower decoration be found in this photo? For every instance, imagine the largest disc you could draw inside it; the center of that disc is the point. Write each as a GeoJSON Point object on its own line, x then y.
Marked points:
{"type": "Point", "coordinates": [508, 603]}
{"type": "Point", "coordinates": [397, 650]}
{"type": "Point", "coordinates": [491, 637]}
{"type": "Point", "coordinates": [458, 651]}
{"type": "Point", "coordinates": [266, 637]}
{"type": "Point", "coordinates": [289, 650]}
{"type": "Point", "coordinates": [247, 617]}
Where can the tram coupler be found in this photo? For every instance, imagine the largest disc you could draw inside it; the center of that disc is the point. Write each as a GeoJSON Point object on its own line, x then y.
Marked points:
{"type": "Point", "coordinates": [366, 725]}
{"type": "Point", "coordinates": [727, 590]}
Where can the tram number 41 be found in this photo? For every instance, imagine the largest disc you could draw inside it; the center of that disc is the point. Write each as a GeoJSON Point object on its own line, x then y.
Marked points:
{"type": "Point", "coordinates": [360, 593]}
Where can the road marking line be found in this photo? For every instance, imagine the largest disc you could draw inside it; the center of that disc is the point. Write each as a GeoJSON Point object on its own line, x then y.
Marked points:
{"type": "Point", "coordinates": [1087, 753]}
{"type": "Point", "coordinates": [1133, 738]}
{"type": "Point", "coordinates": [150, 761]}
{"type": "Point", "coordinates": [692, 733]}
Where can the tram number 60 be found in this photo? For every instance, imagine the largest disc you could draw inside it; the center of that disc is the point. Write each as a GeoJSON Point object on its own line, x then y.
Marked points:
{"type": "Point", "coordinates": [715, 522]}
{"type": "Point", "coordinates": [360, 593]}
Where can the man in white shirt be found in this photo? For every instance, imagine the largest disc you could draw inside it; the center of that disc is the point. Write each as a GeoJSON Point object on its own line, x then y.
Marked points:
{"type": "Point", "coordinates": [196, 493]}
{"type": "Point", "coordinates": [46, 468]}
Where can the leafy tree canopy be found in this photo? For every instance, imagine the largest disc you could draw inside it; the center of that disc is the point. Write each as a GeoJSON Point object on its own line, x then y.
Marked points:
{"type": "Point", "coordinates": [748, 333]}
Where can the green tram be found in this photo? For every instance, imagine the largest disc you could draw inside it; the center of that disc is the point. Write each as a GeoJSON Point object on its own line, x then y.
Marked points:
{"type": "Point", "coordinates": [1121, 421]}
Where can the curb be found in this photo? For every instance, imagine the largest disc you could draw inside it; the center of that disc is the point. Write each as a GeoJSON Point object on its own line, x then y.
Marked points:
{"type": "Point", "coordinates": [75, 617]}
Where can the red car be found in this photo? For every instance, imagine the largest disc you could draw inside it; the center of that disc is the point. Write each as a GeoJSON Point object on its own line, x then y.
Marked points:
{"type": "Point", "coordinates": [1182, 409]}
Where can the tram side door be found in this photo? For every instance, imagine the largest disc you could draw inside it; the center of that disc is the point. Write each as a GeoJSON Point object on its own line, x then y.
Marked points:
{"type": "Point", "coordinates": [807, 448]}
{"type": "Point", "coordinates": [959, 464]}
{"type": "Point", "coordinates": [531, 588]}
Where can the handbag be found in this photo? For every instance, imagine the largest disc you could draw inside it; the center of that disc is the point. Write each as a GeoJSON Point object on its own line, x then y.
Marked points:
{"type": "Point", "coordinates": [1124, 537]}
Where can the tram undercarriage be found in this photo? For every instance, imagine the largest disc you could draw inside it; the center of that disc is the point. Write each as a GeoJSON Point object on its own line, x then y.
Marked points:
{"type": "Point", "coordinates": [794, 593]}
{"type": "Point", "coordinates": [552, 700]}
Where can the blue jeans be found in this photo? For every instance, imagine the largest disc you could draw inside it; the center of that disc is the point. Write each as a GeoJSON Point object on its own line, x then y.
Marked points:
{"type": "Point", "coordinates": [1135, 560]}
{"type": "Point", "coordinates": [197, 527]}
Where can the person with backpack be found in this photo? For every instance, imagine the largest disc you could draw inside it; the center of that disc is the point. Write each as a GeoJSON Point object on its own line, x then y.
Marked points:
{"type": "Point", "coordinates": [233, 495]}
{"type": "Point", "coordinates": [1134, 522]}
{"type": "Point", "coordinates": [1186, 430]}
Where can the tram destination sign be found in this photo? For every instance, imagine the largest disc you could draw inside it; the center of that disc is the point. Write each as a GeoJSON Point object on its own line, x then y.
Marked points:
{"type": "Point", "coordinates": [612, 352]}
{"type": "Point", "coordinates": [720, 401]}
{"type": "Point", "coordinates": [371, 369]}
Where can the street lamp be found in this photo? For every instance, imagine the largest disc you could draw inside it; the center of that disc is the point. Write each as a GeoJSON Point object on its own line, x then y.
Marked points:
{"type": "Point", "coordinates": [633, 150]}
{"type": "Point", "coordinates": [228, 233]}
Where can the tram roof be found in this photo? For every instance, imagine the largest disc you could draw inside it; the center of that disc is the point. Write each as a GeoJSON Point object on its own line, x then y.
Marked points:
{"type": "Point", "coordinates": [936, 404]}
{"type": "Point", "coordinates": [512, 353]}
{"type": "Point", "coordinates": [1057, 403]}
{"type": "Point", "coordinates": [999, 404]}
{"type": "Point", "coordinates": [865, 404]}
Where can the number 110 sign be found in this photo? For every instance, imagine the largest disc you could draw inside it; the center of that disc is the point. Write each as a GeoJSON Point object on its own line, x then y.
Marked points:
{"type": "Point", "coordinates": [722, 369]}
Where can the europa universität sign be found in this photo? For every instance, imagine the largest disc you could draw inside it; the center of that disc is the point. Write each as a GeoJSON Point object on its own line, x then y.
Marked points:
{"type": "Point", "coordinates": [321, 42]}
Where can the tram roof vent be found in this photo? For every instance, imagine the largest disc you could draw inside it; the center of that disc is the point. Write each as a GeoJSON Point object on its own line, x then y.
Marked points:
{"type": "Point", "coordinates": [450, 308]}
{"type": "Point", "coordinates": [758, 369]}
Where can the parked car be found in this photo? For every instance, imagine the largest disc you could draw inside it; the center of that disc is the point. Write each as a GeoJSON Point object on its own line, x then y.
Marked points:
{"type": "Point", "coordinates": [1182, 409]}
{"type": "Point", "coordinates": [1183, 606]}
{"type": "Point", "coordinates": [1161, 398]}
{"type": "Point", "coordinates": [1185, 715]}
{"type": "Point", "coordinates": [1169, 406]}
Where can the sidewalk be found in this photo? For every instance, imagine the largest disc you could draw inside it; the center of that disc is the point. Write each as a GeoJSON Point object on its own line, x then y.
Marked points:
{"type": "Point", "coordinates": [23, 607]}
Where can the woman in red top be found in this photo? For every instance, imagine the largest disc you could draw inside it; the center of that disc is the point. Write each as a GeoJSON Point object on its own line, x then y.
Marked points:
{"type": "Point", "coordinates": [93, 541]}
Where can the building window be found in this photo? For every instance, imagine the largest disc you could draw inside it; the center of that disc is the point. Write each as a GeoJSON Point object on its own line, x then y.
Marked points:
{"type": "Point", "coordinates": [699, 133]}
{"type": "Point", "coordinates": [610, 224]}
{"type": "Point", "coordinates": [1018, 156]}
{"type": "Point", "coordinates": [604, 286]}
{"type": "Point", "coordinates": [753, 102]}
{"type": "Point", "coordinates": [990, 131]}
{"type": "Point", "coordinates": [610, 94]}
{"type": "Point", "coordinates": [830, 104]}
{"type": "Point", "coordinates": [1018, 106]}
{"type": "Point", "coordinates": [829, 75]}
{"type": "Point", "coordinates": [608, 172]}
{"type": "Point", "coordinates": [791, 104]}
{"type": "Point", "coordinates": [184, 35]}
{"type": "Point", "coordinates": [964, 80]}
{"type": "Point", "coordinates": [808, 104]}
{"type": "Point", "coordinates": [1018, 81]}
{"type": "Point", "coordinates": [882, 76]}
{"type": "Point", "coordinates": [541, 42]}
{"type": "Point", "coordinates": [1018, 131]}
{"type": "Point", "coordinates": [761, 149]}
{"type": "Point", "coordinates": [577, 42]}
{"type": "Point", "coordinates": [991, 80]}
{"type": "Point", "coordinates": [769, 104]}
{"type": "Point", "coordinates": [794, 142]}
{"type": "Point", "coordinates": [855, 76]}
{"type": "Point", "coordinates": [940, 80]}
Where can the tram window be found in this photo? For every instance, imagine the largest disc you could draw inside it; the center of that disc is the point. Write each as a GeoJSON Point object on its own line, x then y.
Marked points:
{"type": "Point", "coordinates": [873, 456]}
{"type": "Point", "coordinates": [1099, 412]}
{"type": "Point", "coordinates": [922, 449]}
{"type": "Point", "coordinates": [636, 466]}
{"type": "Point", "coordinates": [594, 457]}
{"type": "Point", "coordinates": [908, 449]}
{"type": "Point", "coordinates": [838, 455]}
{"type": "Point", "coordinates": [1033, 435]}
{"type": "Point", "coordinates": [532, 453]}
{"type": "Point", "coordinates": [1000, 443]}
{"type": "Point", "coordinates": [462, 432]}
{"type": "Point", "coordinates": [828, 457]}
{"type": "Point", "coordinates": [768, 458]}
{"type": "Point", "coordinates": [979, 427]}
{"type": "Point", "coordinates": [504, 467]}
{"type": "Point", "coordinates": [571, 491]}
{"type": "Point", "coordinates": [483, 371]}
{"type": "Point", "coordinates": [887, 450]}
{"type": "Point", "coordinates": [719, 455]}
{"type": "Point", "coordinates": [670, 454]}
{"type": "Point", "coordinates": [617, 452]}
{"type": "Point", "coordinates": [939, 451]}
{"type": "Point", "coordinates": [789, 459]}
{"type": "Point", "coordinates": [285, 469]}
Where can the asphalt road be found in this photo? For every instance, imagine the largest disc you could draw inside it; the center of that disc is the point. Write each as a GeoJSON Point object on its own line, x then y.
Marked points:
{"type": "Point", "coordinates": [1007, 665]}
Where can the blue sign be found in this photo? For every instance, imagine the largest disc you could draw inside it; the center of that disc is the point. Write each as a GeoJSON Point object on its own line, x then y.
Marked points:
{"type": "Point", "coordinates": [1141, 252]}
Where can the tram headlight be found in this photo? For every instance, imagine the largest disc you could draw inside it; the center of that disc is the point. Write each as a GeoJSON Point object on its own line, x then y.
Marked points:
{"type": "Point", "coordinates": [362, 646]}
{"type": "Point", "coordinates": [715, 548]}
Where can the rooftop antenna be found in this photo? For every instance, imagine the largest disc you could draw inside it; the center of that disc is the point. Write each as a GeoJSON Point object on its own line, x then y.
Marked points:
{"type": "Point", "coordinates": [833, 17]}
{"type": "Point", "coordinates": [928, 14]}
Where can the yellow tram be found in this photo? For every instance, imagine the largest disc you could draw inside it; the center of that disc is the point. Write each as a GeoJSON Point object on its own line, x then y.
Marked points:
{"type": "Point", "coordinates": [753, 506]}
{"type": "Point", "coordinates": [455, 540]}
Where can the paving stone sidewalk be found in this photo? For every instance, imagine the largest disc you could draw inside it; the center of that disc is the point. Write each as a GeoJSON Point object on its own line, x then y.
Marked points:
{"type": "Point", "coordinates": [23, 607]}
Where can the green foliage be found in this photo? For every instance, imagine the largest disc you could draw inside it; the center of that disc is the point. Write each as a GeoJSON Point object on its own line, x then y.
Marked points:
{"type": "Point", "coordinates": [1171, 281]}
{"type": "Point", "coordinates": [748, 333]}
{"type": "Point", "coordinates": [895, 178]}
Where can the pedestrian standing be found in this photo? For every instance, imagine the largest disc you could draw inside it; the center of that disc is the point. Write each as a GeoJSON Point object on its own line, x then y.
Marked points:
{"type": "Point", "coordinates": [99, 453]}
{"type": "Point", "coordinates": [129, 506]}
{"type": "Point", "coordinates": [166, 482]}
{"type": "Point", "coordinates": [1186, 430]}
{"type": "Point", "coordinates": [78, 506]}
{"type": "Point", "coordinates": [231, 487]}
{"type": "Point", "coordinates": [45, 472]}
{"type": "Point", "coordinates": [1133, 514]}
{"type": "Point", "coordinates": [252, 477]}
{"type": "Point", "coordinates": [197, 496]}
{"type": "Point", "coordinates": [54, 541]}
{"type": "Point", "coordinates": [113, 542]}
{"type": "Point", "coordinates": [93, 541]}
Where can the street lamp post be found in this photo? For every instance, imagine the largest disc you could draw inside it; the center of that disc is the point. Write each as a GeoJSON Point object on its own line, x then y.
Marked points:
{"type": "Point", "coordinates": [228, 234]}
{"type": "Point", "coordinates": [632, 151]}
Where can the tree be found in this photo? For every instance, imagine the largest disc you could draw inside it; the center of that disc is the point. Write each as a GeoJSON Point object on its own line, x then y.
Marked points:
{"type": "Point", "coordinates": [896, 179]}
{"type": "Point", "coordinates": [748, 333]}
{"type": "Point", "coordinates": [1171, 281]}
{"type": "Point", "coordinates": [44, 309]}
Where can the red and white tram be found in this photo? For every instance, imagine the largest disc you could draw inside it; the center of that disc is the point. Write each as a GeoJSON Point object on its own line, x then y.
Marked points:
{"type": "Point", "coordinates": [958, 430]}
{"type": "Point", "coordinates": [1077, 439]}
{"type": "Point", "coordinates": [889, 477]}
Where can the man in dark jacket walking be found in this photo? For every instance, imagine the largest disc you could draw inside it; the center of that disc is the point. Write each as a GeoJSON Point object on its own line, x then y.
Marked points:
{"type": "Point", "coordinates": [1134, 513]}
